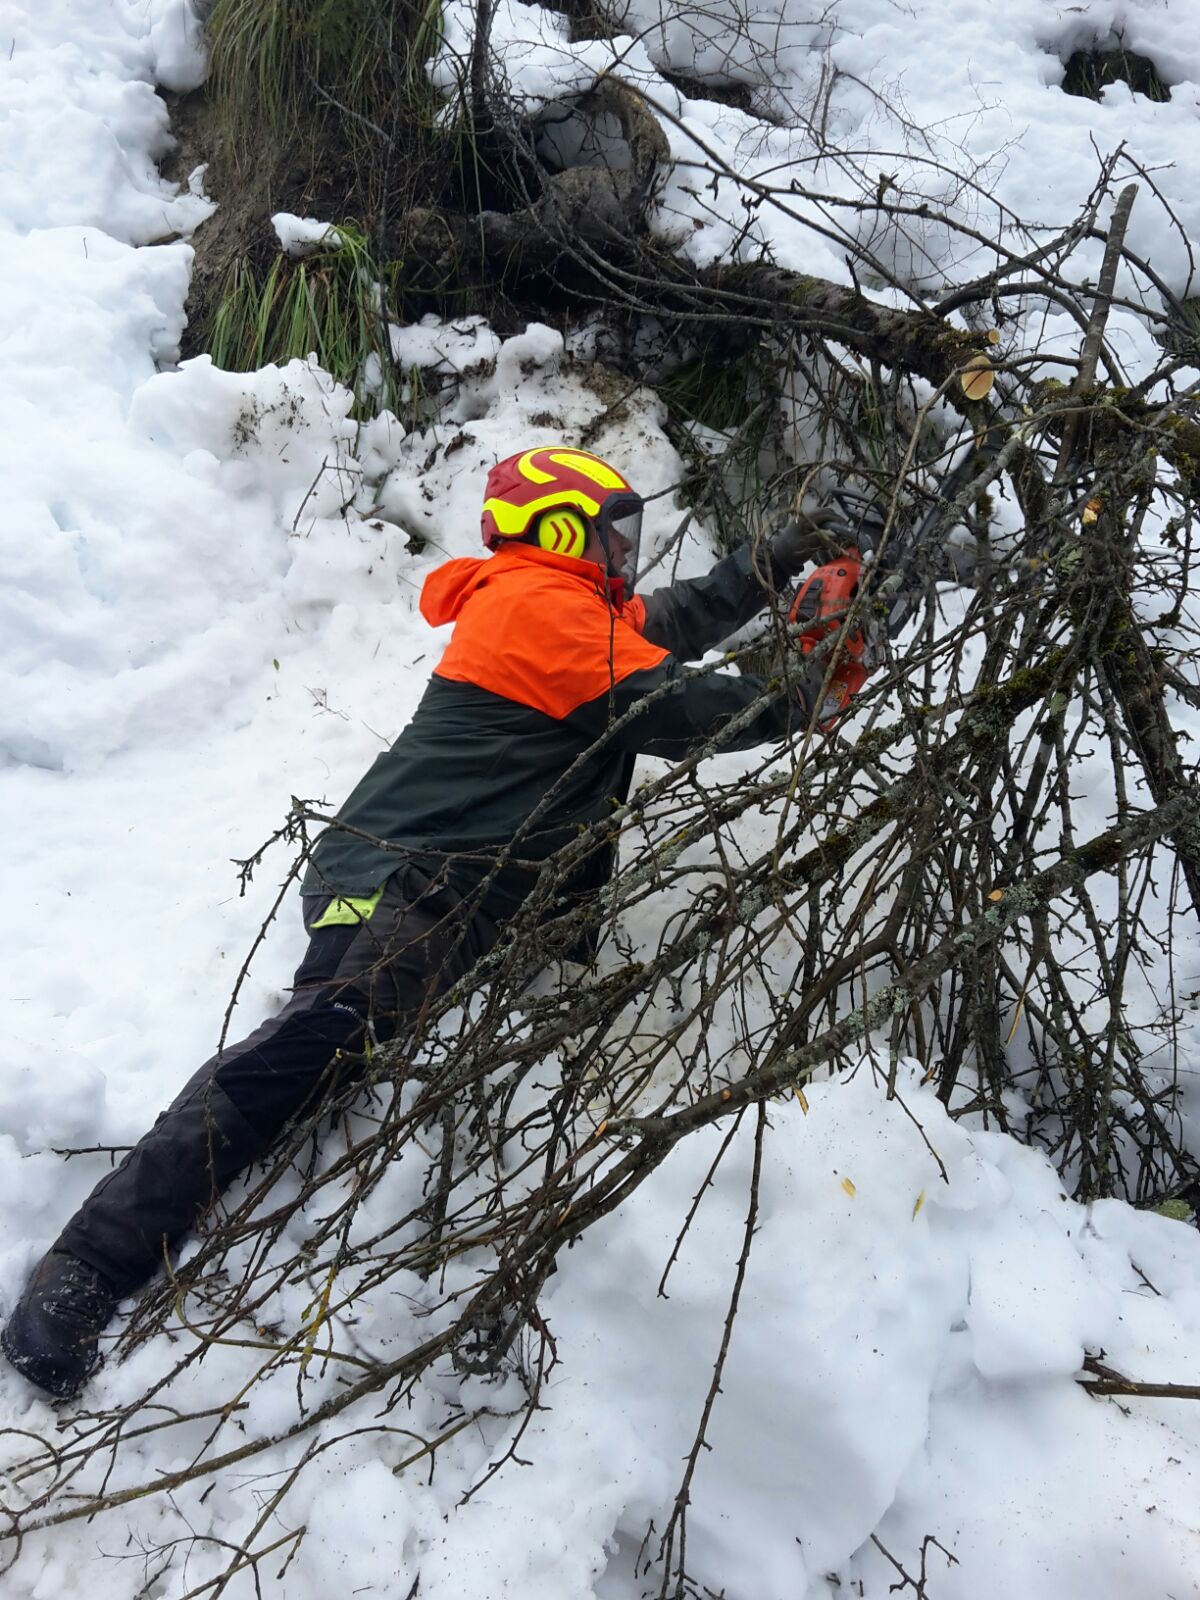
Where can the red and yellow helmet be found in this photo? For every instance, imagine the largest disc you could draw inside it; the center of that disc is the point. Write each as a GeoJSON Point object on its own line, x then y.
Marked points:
{"type": "Point", "coordinates": [553, 495]}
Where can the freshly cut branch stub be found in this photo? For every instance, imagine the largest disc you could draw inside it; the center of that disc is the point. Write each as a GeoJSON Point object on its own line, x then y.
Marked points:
{"type": "Point", "coordinates": [977, 378]}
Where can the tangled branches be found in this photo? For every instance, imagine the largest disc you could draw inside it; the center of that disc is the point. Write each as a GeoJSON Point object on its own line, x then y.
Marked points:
{"type": "Point", "coordinates": [983, 867]}
{"type": "Point", "coordinates": [920, 883]}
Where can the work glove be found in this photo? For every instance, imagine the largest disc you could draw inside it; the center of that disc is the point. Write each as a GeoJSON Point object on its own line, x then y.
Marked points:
{"type": "Point", "coordinates": [805, 678]}
{"type": "Point", "coordinates": [809, 536]}
{"type": "Point", "coordinates": [808, 688]}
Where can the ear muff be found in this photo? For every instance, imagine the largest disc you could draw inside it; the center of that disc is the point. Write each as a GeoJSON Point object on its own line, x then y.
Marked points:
{"type": "Point", "coordinates": [563, 533]}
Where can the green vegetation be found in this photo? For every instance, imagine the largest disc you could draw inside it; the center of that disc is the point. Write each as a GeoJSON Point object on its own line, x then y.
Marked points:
{"type": "Point", "coordinates": [282, 68]}
{"type": "Point", "coordinates": [733, 394]}
{"type": "Point", "coordinates": [324, 108]}
{"type": "Point", "coordinates": [715, 389]}
{"type": "Point", "coordinates": [331, 303]}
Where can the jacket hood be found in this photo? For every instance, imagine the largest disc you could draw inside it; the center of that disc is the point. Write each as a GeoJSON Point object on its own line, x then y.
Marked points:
{"type": "Point", "coordinates": [448, 588]}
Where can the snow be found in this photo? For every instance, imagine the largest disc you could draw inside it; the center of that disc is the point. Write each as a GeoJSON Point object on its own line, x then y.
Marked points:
{"type": "Point", "coordinates": [300, 236]}
{"type": "Point", "coordinates": [83, 124]}
{"type": "Point", "coordinates": [210, 606]}
{"type": "Point", "coordinates": [869, 98]}
{"type": "Point", "coordinates": [176, 39]}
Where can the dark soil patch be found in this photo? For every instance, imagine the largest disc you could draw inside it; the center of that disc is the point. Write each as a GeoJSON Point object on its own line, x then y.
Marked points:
{"type": "Point", "coordinates": [1088, 72]}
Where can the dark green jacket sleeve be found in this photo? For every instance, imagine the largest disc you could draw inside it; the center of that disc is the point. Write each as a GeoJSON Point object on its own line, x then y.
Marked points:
{"type": "Point", "coordinates": [695, 614]}
{"type": "Point", "coordinates": [667, 711]}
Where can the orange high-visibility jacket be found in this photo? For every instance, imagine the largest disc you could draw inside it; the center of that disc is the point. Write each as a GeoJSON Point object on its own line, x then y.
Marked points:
{"type": "Point", "coordinates": [526, 736]}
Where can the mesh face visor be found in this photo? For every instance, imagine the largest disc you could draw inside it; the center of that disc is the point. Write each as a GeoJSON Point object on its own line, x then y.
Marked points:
{"type": "Point", "coordinates": [620, 527]}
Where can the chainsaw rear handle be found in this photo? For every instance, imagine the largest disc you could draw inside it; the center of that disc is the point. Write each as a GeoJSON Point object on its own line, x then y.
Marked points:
{"type": "Point", "coordinates": [827, 595]}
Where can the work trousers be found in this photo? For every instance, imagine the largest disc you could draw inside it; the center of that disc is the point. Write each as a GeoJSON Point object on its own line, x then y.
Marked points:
{"type": "Point", "coordinates": [357, 980]}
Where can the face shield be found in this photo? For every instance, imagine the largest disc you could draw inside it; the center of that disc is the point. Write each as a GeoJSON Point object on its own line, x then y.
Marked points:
{"type": "Point", "coordinates": [619, 526]}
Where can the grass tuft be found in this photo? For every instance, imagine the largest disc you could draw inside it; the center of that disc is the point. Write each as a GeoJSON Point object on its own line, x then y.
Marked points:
{"type": "Point", "coordinates": [714, 390]}
{"type": "Point", "coordinates": [330, 304]}
{"type": "Point", "coordinates": [281, 68]}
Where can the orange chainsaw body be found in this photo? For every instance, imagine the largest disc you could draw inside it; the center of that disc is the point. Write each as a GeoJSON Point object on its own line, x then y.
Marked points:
{"type": "Point", "coordinates": [820, 608]}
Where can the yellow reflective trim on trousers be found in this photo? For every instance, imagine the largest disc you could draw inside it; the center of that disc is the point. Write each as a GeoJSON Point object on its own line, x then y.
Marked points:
{"type": "Point", "coordinates": [348, 911]}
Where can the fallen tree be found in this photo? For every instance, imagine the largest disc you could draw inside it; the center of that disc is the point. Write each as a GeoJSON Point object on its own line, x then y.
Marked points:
{"type": "Point", "coordinates": [911, 884]}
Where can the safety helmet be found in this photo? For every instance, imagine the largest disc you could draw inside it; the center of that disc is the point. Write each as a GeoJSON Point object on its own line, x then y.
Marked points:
{"type": "Point", "coordinates": [553, 495]}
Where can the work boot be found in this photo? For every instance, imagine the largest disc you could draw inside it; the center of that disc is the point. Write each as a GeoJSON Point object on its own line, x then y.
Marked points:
{"type": "Point", "coordinates": [53, 1335]}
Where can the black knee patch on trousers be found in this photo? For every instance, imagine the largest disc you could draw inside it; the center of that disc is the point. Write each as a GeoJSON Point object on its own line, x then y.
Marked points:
{"type": "Point", "coordinates": [272, 1081]}
{"type": "Point", "coordinates": [227, 1117]}
{"type": "Point", "coordinates": [233, 1107]}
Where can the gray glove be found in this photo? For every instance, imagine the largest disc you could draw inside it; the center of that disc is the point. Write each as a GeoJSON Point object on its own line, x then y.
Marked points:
{"type": "Point", "coordinates": [810, 536]}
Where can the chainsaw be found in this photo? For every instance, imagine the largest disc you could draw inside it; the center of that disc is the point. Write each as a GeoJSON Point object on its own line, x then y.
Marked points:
{"type": "Point", "coordinates": [874, 587]}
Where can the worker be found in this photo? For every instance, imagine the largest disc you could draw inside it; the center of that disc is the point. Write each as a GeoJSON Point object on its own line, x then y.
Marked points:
{"type": "Point", "coordinates": [556, 677]}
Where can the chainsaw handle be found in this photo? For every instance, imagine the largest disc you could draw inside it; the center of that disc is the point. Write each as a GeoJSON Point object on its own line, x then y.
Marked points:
{"type": "Point", "coordinates": [827, 594]}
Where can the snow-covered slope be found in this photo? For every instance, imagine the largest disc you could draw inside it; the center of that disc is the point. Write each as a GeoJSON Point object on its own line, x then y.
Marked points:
{"type": "Point", "coordinates": [208, 606]}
